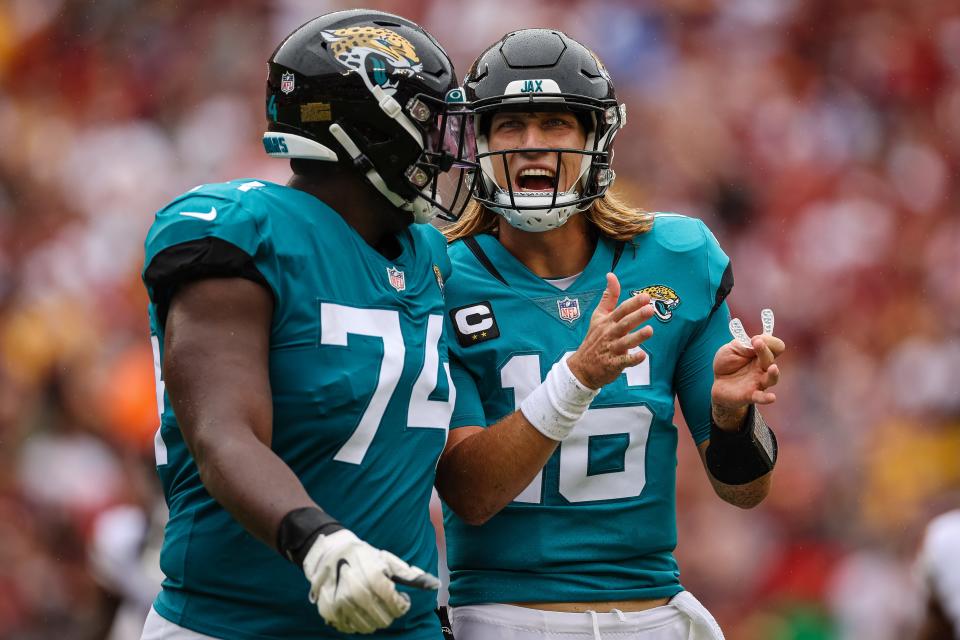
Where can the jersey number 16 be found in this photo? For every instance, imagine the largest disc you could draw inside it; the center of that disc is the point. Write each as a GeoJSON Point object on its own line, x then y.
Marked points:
{"type": "Point", "coordinates": [629, 423]}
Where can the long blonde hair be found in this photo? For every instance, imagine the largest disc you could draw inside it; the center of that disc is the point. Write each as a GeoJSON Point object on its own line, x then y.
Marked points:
{"type": "Point", "coordinates": [610, 215]}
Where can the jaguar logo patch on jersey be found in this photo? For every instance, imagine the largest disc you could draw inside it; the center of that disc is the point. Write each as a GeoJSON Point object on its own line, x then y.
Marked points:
{"type": "Point", "coordinates": [665, 300]}
{"type": "Point", "coordinates": [569, 308]}
{"type": "Point", "coordinates": [397, 279]}
{"type": "Point", "coordinates": [375, 53]}
{"type": "Point", "coordinates": [439, 277]}
{"type": "Point", "coordinates": [474, 323]}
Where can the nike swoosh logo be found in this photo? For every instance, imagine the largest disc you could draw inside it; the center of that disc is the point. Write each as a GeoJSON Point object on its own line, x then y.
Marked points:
{"type": "Point", "coordinates": [340, 564]}
{"type": "Point", "coordinates": [208, 216]}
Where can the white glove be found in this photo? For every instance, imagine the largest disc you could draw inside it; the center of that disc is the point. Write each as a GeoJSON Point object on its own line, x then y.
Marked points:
{"type": "Point", "coordinates": [352, 583]}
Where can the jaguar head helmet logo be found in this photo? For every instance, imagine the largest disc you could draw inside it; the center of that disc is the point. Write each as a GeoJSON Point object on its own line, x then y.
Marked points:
{"type": "Point", "coordinates": [665, 300]}
{"type": "Point", "coordinates": [377, 54]}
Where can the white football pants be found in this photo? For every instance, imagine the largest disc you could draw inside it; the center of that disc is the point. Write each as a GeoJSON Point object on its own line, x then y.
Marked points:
{"type": "Point", "coordinates": [159, 628]}
{"type": "Point", "coordinates": [683, 618]}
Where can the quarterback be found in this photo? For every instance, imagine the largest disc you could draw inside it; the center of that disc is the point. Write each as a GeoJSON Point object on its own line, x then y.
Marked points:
{"type": "Point", "coordinates": [298, 331]}
{"type": "Point", "coordinates": [560, 518]}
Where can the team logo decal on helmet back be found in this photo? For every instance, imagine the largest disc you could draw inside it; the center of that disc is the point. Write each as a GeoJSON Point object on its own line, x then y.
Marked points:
{"type": "Point", "coordinates": [397, 280]}
{"type": "Point", "coordinates": [569, 308]}
{"type": "Point", "coordinates": [665, 300]}
{"type": "Point", "coordinates": [375, 53]}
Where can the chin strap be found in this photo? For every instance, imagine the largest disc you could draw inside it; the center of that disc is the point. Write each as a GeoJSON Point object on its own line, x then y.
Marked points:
{"type": "Point", "coordinates": [421, 209]}
{"type": "Point", "coordinates": [543, 217]}
{"type": "Point", "coordinates": [393, 109]}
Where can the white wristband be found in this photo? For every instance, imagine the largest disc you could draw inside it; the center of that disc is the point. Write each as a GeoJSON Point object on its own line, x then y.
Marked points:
{"type": "Point", "coordinates": [555, 406]}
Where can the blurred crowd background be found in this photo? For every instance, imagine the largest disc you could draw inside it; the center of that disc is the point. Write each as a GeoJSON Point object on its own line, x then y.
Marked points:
{"type": "Point", "coordinates": [819, 139]}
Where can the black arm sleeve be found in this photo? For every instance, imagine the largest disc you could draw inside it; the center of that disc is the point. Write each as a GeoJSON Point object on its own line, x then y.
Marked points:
{"type": "Point", "coordinates": [208, 257]}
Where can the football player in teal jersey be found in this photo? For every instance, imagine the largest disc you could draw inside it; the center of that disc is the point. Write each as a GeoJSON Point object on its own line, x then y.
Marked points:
{"type": "Point", "coordinates": [298, 331]}
{"type": "Point", "coordinates": [559, 473]}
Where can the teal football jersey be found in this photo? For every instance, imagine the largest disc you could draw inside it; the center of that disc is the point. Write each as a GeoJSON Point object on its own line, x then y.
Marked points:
{"type": "Point", "coordinates": [599, 521]}
{"type": "Point", "coordinates": [361, 401]}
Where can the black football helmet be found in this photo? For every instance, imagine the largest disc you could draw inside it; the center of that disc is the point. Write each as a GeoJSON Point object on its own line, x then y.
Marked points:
{"type": "Point", "coordinates": [370, 90]}
{"type": "Point", "coordinates": [538, 70]}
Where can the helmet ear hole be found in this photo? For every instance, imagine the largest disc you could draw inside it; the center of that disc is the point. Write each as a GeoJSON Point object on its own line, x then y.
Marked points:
{"type": "Point", "coordinates": [372, 134]}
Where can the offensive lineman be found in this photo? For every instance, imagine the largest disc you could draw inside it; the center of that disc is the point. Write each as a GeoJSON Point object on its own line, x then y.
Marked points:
{"type": "Point", "coordinates": [560, 519]}
{"type": "Point", "coordinates": [299, 331]}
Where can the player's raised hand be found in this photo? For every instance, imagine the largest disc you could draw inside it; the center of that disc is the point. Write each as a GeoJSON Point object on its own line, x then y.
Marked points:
{"type": "Point", "coordinates": [744, 369]}
{"type": "Point", "coordinates": [610, 344]}
{"type": "Point", "coordinates": [352, 583]}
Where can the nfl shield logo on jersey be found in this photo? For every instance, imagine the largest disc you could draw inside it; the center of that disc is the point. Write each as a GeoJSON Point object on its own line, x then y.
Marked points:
{"type": "Point", "coordinates": [569, 309]}
{"type": "Point", "coordinates": [397, 281]}
{"type": "Point", "coordinates": [286, 83]}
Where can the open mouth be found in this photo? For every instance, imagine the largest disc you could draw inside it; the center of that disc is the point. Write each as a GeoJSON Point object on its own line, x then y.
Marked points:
{"type": "Point", "coordinates": [536, 180]}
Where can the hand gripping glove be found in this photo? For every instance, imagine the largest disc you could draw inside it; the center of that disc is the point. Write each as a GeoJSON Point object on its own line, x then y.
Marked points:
{"type": "Point", "coordinates": [352, 583]}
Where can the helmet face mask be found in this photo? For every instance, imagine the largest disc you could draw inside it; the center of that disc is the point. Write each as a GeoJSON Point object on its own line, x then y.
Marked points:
{"type": "Point", "coordinates": [369, 90]}
{"type": "Point", "coordinates": [539, 70]}
{"type": "Point", "coordinates": [448, 161]}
